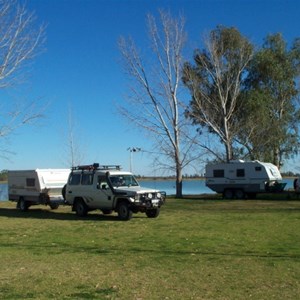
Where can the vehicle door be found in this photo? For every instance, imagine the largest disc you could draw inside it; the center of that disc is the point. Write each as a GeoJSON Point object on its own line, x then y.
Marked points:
{"type": "Point", "coordinates": [102, 193]}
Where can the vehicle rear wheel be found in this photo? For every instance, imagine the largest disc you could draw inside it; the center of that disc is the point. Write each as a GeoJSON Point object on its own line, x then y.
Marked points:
{"type": "Point", "coordinates": [124, 212]}
{"type": "Point", "coordinates": [228, 194]}
{"type": "Point", "coordinates": [81, 208]}
{"type": "Point", "coordinates": [153, 213]}
{"type": "Point", "coordinates": [23, 205]}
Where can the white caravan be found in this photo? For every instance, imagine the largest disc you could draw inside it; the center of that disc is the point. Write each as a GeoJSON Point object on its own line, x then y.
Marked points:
{"type": "Point", "coordinates": [40, 186]}
{"type": "Point", "coordinates": [238, 179]}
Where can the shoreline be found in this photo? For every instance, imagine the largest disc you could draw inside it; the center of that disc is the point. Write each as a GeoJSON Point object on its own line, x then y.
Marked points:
{"type": "Point", "coordinates": [168, 178]}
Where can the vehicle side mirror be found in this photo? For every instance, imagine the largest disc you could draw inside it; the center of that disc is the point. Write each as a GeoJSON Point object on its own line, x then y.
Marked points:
{"type": "Point", "coordinates": [104, 186]}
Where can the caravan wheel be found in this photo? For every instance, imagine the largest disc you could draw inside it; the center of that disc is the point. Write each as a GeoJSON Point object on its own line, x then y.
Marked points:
{"type": "Point", "coordinates": [228, 194]}
{"type": "Point", "coordinates": [251, 195]}
{"type": "Point", "coordinates": [239, 194]}
{"type": "Point", "coordinates": [23, 205]}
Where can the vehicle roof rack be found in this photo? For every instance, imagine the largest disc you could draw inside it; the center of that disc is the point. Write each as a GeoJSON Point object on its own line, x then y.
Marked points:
{"type": "Point", "coordinates": [96, 166]}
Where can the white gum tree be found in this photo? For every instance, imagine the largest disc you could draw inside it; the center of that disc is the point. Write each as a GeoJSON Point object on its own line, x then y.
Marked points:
{"type": "Point", "coordinates": [20, 41]}
{"type": "Point", "coordinates": [154, 103]}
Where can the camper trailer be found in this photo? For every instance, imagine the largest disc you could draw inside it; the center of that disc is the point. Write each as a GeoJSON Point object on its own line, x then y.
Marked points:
{"type": "Point", "coordinates": [240, 179]}
{"type": "Point", "coordinates": [40, 186]}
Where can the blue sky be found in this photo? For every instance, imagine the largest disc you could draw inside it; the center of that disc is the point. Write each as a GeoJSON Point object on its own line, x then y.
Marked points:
{"type": "Point", "coordinates": [80, 68]}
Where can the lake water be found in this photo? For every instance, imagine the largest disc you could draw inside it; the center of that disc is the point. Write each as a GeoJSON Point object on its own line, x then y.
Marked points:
{"type": "Point", "coordinates": [190, 187]}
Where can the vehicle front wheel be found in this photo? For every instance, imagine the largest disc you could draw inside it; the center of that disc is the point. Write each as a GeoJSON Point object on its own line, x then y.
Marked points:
{"type": "Point", "coordinates": [124, 212]}
{"type": "Point", "coordinates": [81, 208]}
{"type": "Point", "coordinates": [153, 213]}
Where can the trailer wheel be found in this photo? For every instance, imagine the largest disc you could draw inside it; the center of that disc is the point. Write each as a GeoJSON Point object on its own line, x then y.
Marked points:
{"type": "Point", "coordinates": [80, 208]}
{"type": "Point", "coordinates": [22, 204]}
{"type": "Point", "coordinates": [239, 194]}
{"type": "Point", "coordinates": [54, 205]}
{"type": "Point", "coordinates": [228, 194]}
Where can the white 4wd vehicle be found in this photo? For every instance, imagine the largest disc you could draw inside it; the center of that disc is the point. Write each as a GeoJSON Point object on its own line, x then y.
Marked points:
{"type": "Point", "coordinates": [109, 189]}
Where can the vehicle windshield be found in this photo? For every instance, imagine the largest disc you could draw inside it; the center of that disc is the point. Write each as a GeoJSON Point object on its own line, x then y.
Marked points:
{"type": "Point", "coordinates": [123, 180]}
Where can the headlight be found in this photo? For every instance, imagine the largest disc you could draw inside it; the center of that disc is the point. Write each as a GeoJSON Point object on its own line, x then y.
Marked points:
{"type": "Point", "coordinates": [158, 195]}
{"type": "Point", "coordinates": [149, 196]}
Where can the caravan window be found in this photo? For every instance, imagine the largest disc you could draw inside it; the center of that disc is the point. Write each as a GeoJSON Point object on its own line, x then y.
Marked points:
{"type": "Point", "coordinates": [257, 168]}
{"type": "Point", "coordinates": [219, 173]}
{"type": "Point", "coordinates": [30, 181]}
{"type": "Point", "coordinates": [240, 173]}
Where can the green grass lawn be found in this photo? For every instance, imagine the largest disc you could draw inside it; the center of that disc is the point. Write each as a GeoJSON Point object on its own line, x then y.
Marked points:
{"type": "Point", "coordinates": [195, 249]}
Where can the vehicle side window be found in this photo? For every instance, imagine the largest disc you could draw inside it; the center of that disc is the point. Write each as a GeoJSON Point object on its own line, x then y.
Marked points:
{"type": "Point", "coordinates": [74, 179]}
{"type": "Point", "coordinates": [219, 173]}
{"type": "Point", "coordinates": [87, 179]}
{"type": "Point", "coordinates": [257, 168]}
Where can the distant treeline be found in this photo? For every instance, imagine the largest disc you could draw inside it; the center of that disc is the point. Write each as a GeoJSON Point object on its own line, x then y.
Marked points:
{"type": "Point", "coordinates": [197, 176]}
{"type": "Point", "coordinates": [3, 175]}
{"type": "Point", "coordinates": [289, 174]}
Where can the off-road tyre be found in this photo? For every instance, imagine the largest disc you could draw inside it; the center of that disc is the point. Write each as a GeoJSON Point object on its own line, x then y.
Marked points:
{"type": "Point", "coordinates": [152, 213]}
{"type": "Point", "coordinates": [124, 212]}
{"type": "Point", "coordinates": [80, 208]}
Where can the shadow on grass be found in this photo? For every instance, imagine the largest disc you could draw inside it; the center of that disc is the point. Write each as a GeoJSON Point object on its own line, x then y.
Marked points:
{"type": "Point", "coordinates": [280, 196]}
{"type": "Point", "coordinates": [63, 248]}
{"type": "Point", "coordinates": [37, 213]}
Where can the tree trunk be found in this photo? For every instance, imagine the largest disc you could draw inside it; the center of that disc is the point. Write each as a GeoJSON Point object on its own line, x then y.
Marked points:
{"type": "Point", "coordinates": [228, 151]}
{"type": "Point", "coordinates": [178, 182]}
{"type": "Point", "coordinates": [276, 159]}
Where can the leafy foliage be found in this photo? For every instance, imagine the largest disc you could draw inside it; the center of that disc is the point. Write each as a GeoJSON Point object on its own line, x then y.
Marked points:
{"type": "Point", "coordinates": [214, 83]}
{"type": "Point", "coordinates": [248, 100]}
{"type": "Point", "coordinates": [3, 175]}
{"type": "Point", "coordinates": [270, 101]}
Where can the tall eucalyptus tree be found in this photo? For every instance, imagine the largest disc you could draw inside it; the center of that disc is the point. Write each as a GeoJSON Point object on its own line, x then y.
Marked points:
{"type": "Point", "coordinates": [154, 103]}
{"type": "Point", "coordinates": [215, 80]}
